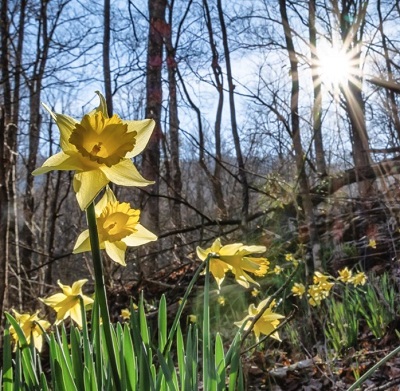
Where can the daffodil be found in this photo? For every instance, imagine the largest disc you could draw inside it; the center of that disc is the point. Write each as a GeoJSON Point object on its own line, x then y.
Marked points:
{"type": "Point", "coordinates": [236, 258]}
{"type": "Point", "coordinates": [298, 289]}
{"type": "Point", "coordinates": [118, 227]}
{"type": "Point", "coordinates": [372, 243]}
{"type": "Point", "coordinates": [345, 275]}
{"type": "Point", "coordinates": [320, 278]}
{"type": "Point", "coordinates": [221, 300]}
{"type": "Point", "coordinates": [99, 149]}
{"type": "Point", "coordinates": [289, 257]}
{"type": "Point", "coordinates": [359, 279]}
{"type": "Point", "coordinates": [31, 326]}
{"type": "Point", "coordinates": [277, 270]}
{"type": "Point", "coordinates": [320, 290]}
{"type": "Point", "coordinates": [125, 314]}
{"type": "Point", "coordinates": [268, 322]}
{"type": "Point", "coordinates": [255, 292]}
{"type": "Point", "coordinates": [315, 295]}
{"type": "Point", "coordinates": [68, 302]}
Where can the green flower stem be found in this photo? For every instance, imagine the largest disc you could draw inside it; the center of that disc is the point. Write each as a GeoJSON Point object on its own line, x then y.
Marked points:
{"type": "Point", "coordinates": [100, 292]}
{"type": "Point", "coordinates": [206, 327]}
{"type": "Point", "coordinates": [181, 307]}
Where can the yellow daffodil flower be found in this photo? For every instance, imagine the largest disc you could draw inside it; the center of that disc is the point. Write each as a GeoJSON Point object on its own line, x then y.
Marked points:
{"type": "Point", "coordinates": [99, 149]}
{"type": "Point", "coordinates": [192, 318]}
{"type": "Point", "coordinates": [298, 289]}
{"type": "Point", "coordinates": [289, 257]}
{"type": "Point", "coordinates": [320, 290]}
{"type": "Point", "coordinates": [277, 270]}
{"type": "Point", "coordinates": [372, 243]}
{"type": "Point", "coordinates": [125, 314]}
{"type": "Point", "coordinates": [359, 279]}
{"type": "Point", "coordinates": [118, 227]}
{"type": "Point", "coordinates": [268, 322]}
{"type": "Point", "coordinates": [320, 278]}
{"type": "Point", "coordinates": [315, 295]}
{"type": "Point", "coordinates": [67, 303]}
{"type": "Point", "coordinates": [345, 275]}
{"type": "Point", "coordinates": [255, 292]}
{"type": "Point", "coordinates": [234, 257]}
{"type": "Point", "coordinates": [221, 300]}
{"type": "Point", "coordinates": [30, 327]}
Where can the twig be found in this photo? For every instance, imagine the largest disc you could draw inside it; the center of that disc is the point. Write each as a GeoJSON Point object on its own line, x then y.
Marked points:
{"type": "Point", "coordinates": [386, 386]}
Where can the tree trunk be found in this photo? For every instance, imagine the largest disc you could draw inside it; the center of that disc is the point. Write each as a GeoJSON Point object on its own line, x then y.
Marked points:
{"type": "Point", "coordinates": [151, 155]}
{"type": "Point", "coordinates": [390, 94]}
{"type": "Point", "coordinates": [352, 32]}
{"type": "Point", "coordinates": [215, 178]}
{"type": "Point", "coordinates": [175, 186]}
{"type": "Point", "coordinates": [106, 57]}
{"type": "Point", "coordinates": [304, 190]}
{"type": "Point", "coordinates": [5, 160]}
{"type": "Point", "coordinates": [232, 110]}
{"type": "Point", "coordinates": [317, 103]}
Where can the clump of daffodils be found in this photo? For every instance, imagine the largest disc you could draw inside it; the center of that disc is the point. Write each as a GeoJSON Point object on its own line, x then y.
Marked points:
{"type": "Point", "coordinates": [323, 284]}
{"type": "Point", "coordinates": [236, 258]}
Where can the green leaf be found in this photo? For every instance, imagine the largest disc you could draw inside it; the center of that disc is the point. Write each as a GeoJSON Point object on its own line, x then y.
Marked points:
{"type": "Point", "coordinates": [162, 323]}
{"type": "Point", "coordinates": [76, 357]}
{"type": "Point", "coordinates": [220, 362]}
{"type": "Point", "coordinates": [129, 360]}
{"type": "Point", "coordinates": [7, 378]}
{"type": "Point", "coordinates": [167, 372]}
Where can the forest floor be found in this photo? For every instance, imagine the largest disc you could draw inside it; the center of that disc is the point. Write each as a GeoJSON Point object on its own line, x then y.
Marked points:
{"type": "Point", "coordinates": [277, 366]}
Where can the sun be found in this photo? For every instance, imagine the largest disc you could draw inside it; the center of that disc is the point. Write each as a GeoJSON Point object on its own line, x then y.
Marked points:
{"type": "Point", "coordinates": [335, 65]}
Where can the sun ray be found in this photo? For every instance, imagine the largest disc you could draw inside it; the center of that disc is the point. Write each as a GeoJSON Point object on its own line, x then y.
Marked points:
{"type": "Point", "coordinates": [337, 65]}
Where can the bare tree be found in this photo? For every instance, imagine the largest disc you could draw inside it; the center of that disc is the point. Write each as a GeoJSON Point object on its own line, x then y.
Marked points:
{"type": "Point", "coordinates": [317, 102]}
{"type": "Point", "coordinates": [232, 110]}
{"type": "Point", "coordinates": [304, 188]}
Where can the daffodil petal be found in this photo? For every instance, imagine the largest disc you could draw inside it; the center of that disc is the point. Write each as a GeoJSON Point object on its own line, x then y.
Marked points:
{"type": "Point", "coordinates": [116, 251]}
{"type": "Point", "coordinates": [76, 314]}
{"type": "Point", "coordinates": [76, 288]}
{"type": "Point", "coordinates": [63, 311]}
{"type": "Point", "coordinates": [202, 254]}
{"type": "Point", "coordinates": [108, 196]}
{"type": "Point", "coordinates": [218, 270]}
{"type": "Point", "coordinates": [254, 249]}
{"type": "Point", "coordinates": [216, 246]}
{"type": "Point", "coordinates": [230, 249]}
{"type": "Point", "coordinates": [144, 130]}
{"type": "Point", "coordinates": [38, 341]}
{"type": "Point", "coordinates": [103, 104]}
{"type": "Point", "coordinates": [125, 174]}
{"type": "Point", "coordinates": [53, 300]}
{"type": "Point", "coordinates": [82, 243]}
{"type": "Point", "coordinates": [141, 236]}
{"type": "Point", "coordinates": [87, 300]}
{"type": "Point", "coordinates": [66, 124]}
{"type": "Point", "coordinates": [65, 288]}
{"type": "Point", "coordinates": [87, 185]}
{"type": "Point", "coordinates": [59, 161]}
